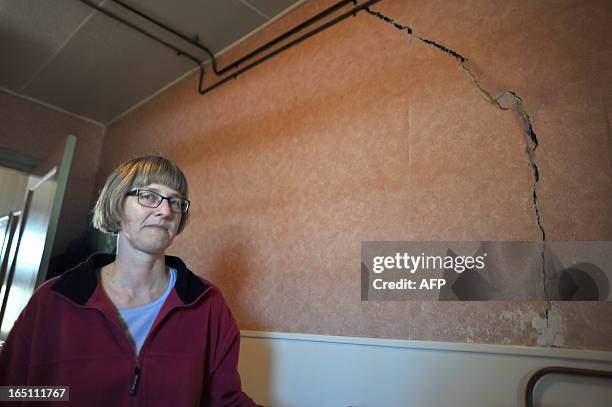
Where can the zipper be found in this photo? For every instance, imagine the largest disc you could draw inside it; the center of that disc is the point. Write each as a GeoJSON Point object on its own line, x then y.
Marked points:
{"type": "Point", "coordinates": [135, 381]}
{"type": "Point", "coordinates": [137, 369]}
{"type": "Point", "coordinates": [137, 373]}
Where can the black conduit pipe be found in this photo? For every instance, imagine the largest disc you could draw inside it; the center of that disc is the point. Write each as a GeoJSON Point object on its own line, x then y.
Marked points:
{"type": "Point", "coordinates": [317, 30]}
{"type": "Point", "coordinates": [250, 55]}
{"type": "Point", "coordinates": [140, 30]}
{"type": "Point", "coordinates": [238, 62]}
{"type": "Point", "coordinates": [560, 370]}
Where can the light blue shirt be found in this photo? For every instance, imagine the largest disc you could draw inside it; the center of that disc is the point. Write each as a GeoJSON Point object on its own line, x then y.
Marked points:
{"type": "Point", "coordinates": [139, 320]}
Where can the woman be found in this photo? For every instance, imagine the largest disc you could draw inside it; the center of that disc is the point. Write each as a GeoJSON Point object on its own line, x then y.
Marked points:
{"type": "Point", "coordinates": [135, 328]}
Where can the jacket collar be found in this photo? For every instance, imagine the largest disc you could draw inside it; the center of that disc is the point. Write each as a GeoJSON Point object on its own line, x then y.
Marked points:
{"type": "Point", "coordinates": [79, 283]}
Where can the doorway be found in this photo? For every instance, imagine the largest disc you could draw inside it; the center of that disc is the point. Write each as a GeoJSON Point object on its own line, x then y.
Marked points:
{"type": "Point", "coordinates": [29, 232]}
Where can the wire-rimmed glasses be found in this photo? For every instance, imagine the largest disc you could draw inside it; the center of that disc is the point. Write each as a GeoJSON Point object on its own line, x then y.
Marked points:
{"type": "Point", "coordinates": [152, 199]}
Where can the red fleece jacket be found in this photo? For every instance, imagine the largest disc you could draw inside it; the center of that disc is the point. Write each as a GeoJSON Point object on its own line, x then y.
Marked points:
{"type": "Point", "coordinates": [69, 334]}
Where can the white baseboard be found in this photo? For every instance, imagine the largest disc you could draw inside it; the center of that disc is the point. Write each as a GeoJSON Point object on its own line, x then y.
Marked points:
{"type": "Point", "coordinates": [295, 370]}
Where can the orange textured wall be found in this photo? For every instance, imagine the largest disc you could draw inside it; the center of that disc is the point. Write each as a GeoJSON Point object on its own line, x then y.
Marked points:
{"type": "Point", "coordinates": [34, 130]}
{"type": "Point", "coordinates": [364, 134]}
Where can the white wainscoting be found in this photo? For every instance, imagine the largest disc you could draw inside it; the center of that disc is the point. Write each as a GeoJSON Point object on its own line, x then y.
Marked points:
{"type": "Point", "coordinates": [301, 370]}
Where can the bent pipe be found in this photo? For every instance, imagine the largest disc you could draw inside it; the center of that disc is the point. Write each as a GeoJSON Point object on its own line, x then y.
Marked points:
{"type": "Point", "coordinates": [235, 64]}
{"type": "Point", "coordinates": [535, 377]}
{"type": "Point", "coordinates": [277, 51]}
{"type": "Point", "coordinates": [239, 61]}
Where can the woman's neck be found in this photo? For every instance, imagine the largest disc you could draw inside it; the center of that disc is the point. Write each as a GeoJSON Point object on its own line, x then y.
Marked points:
{"type": "Point", "coordinates": [135, 274]}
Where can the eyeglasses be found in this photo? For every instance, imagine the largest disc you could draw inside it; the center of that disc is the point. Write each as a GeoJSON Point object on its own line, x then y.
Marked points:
{"type": "Point", "coordinates": [152, 199]}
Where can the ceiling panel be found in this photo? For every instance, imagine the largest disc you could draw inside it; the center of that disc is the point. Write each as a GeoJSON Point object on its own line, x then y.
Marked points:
{"type": "Point", "coordinates": [106, 69]}
{"type": "Point", "coordinates": [216, 23]}
{"type": "Point", "coordinates": [271, 7]}
{"type": "Point", "coordinates": [30, 32]}
{"type": "Point", "coordinates": [65, 54]}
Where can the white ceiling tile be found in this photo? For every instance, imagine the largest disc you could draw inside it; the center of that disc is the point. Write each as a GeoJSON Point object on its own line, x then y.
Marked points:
{"type": "Point", "coordinates": [271, 7]}
{"type": "Point", "coordinates": [64, 54]}
{"type": "Point", "coordinates": [105, 70]}
{"type": "Point", "coordinates": [216, 23]}
{"type": "Point", "coordinates": [30, 32]}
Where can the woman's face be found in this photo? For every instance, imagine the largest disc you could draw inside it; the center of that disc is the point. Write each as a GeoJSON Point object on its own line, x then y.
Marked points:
{"type": "Point", "coordinates": [150, 230]}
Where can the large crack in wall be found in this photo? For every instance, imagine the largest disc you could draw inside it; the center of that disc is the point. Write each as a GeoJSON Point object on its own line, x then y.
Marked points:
{"type": "Point", "coordinates": [501, 102]}
{"type": "Point", "coordinates": [607, 121]}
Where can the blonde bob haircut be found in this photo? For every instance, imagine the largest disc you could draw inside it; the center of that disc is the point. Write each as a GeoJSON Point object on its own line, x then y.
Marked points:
{"type": "Point", "coordinates": [136, 173]}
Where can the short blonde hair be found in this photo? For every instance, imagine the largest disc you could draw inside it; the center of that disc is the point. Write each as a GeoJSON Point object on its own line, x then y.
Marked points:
{"type": "Point", "coordinates": [136, 173]}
